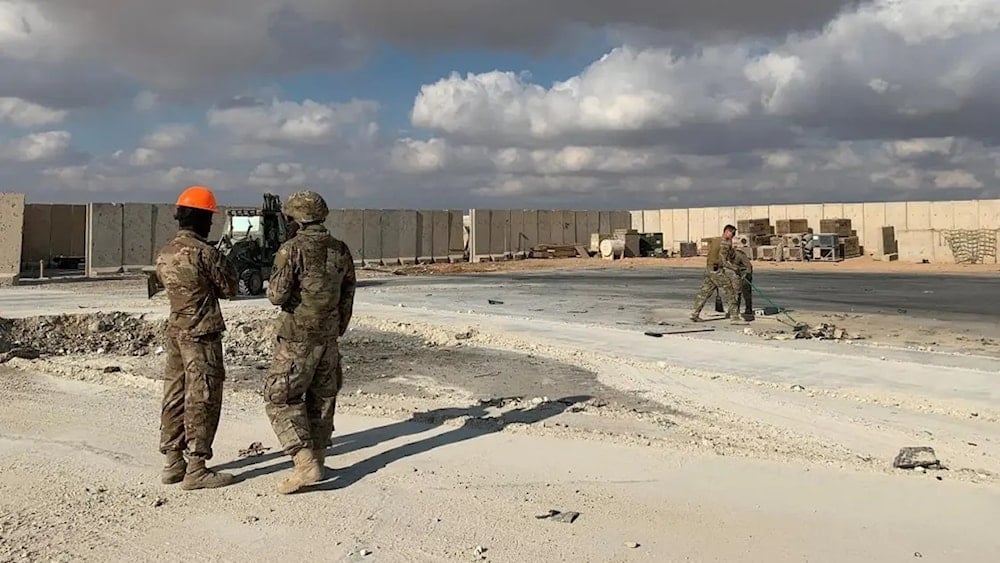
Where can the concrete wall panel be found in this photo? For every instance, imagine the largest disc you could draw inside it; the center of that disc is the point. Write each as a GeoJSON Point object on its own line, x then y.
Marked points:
{"type": "Point", "coordinates": [942, 250]}
{"type": "Point", "coordinates": [11, 239]}
{"type": "Point", "coordinates": [915, 246]}
{"type": "Point", "coordinates": [440, 235]}
{"type": "Point", "coordinates": [569, 227]}
{"type": "Point", "coordinates": [966, 214]}
{"type": "Point", "coordinates": [408, 235]}
{"type": "Point", "coordinates": [137, 234]}
{"type": "Point", "coordinates": [335, 223]}
{"type": "Point", "coordinates": [696, 224]}
{"type": "Point", "coordinates": [390, 225]}
{"type": "Point", "coordinates": [605, 224]}
{"type": "Point", "coordinates": [517, 243]}
{"type": "Point", "coordinates": [989, 214]}
{"type": "Point", "coordinates": [712, 222]}
{"type": "Point", "coordinates": [556, 227]}
{"type": "Point", "coordinates": [814, 214]}
{"type": "Point", "coordinates": [942, 215]}
{"type": "Point", "coordinates": [895, 215]}
{"type": "Point", "coordinates": [727, 216]}
{"type": "Point", "coordinates": [582, 232]}
{"type": "Point", "coordinates": [456, 232]}
{"type": "Point", "coordinates": [619, 220]}
{"type": "Point", "coordinates": [545, 226]}
{"type": "Point", "coordinates": [499, 231]}
{"type": "Point", "coordinates": [372, 227]}
{"type": "Point", "coordinates": [833, 210]}
{"type": "Point", "coordinates": [795, 212]}
{"type": "Point", "coordinates": [651, 222]}
{"type": "Point", "coordinates": [37, 235]}
{"type": "Point", "coordinates": [679, 218]}
{"type": "Point", "coordinates": [164, 226]}
{"type": "Point", "coordinates": [531, 221]}
{"type": "Point", "coordinates": [69, 230]}
{"type": "Point", "coordinates": [636, 217]}
{"type": "Point", "coordinates": [425, 234]}
{"type": "Point", "coordinates": [78, 243]}
{"type": "Point", "coordinates": [104, 238]}
{"type": "Point", "coordinates": [354, 233]}
{"type": "Point", "coordinates": [874, 219]}
{"type": "Point", "coordinates": [918, 215]}
{"type": "Point", "coordinates": [594, 224]}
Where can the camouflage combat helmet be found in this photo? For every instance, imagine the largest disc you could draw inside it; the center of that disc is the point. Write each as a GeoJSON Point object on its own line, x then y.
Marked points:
{"type": "Point", "coordinates": [306, 207]}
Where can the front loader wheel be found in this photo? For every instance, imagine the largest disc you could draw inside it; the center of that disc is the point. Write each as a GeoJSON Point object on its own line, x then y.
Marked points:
{"type": "Point", "coordinates": [251, 283]}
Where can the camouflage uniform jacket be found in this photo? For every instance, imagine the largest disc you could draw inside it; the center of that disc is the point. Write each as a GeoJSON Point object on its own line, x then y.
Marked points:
{"type": "Point", "coordinates": [313, 282]}
{"type": "Point", "coordinates": [195, 275]}
{"type": "Point", "coordinates": [742, 262]}
{"type": "Point", "coordinates": [720, 255]}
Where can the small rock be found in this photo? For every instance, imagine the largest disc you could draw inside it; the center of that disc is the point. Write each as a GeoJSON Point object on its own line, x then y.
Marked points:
{"type": "Point", "coordinates": [632, 545]}
{"type": "Point", "coordinates": [914, 457]}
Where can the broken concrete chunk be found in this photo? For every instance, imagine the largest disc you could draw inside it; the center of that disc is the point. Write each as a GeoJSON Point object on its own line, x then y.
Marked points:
{"type": "Point", "coordinates": [913, 457]}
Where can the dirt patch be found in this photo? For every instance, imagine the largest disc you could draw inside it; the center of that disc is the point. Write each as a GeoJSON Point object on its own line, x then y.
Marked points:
{"type": "Point", "coordinates": [440, 367]}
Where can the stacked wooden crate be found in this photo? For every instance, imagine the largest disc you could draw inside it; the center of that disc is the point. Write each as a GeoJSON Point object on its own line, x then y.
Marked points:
{"type": "Point", "coordinates": [753, 233]}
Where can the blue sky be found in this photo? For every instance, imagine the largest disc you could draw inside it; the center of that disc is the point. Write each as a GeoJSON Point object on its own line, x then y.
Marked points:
{"type": "Point", "coordinates": [667, 102]}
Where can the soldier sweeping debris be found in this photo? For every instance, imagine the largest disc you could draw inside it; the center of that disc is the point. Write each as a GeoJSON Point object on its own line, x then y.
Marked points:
{"type": "Point", "coordinates": [195, 275]}
{"type": "Point", "coordinates": [719, 276]}
{"type": "Point", "coordinates": [313, 281]}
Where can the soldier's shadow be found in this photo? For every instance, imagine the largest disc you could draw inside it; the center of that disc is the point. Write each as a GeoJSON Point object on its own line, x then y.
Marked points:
{"type": "Point", "coordinates": [478, 422]}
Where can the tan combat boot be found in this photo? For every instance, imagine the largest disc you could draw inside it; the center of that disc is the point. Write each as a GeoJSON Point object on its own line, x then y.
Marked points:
{"type": "Point", "coordinates": [174, 468]}
{"type": "Point", "coordinates": [306, 472]}
{"type": "Point", "coordinates": [320, 456]}
{"type": "Point", "coordinates": [200, 477]}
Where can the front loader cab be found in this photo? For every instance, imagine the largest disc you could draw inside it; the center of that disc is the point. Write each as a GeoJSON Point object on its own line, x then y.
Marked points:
{"type": "Point", "coordinates": [251, 240]}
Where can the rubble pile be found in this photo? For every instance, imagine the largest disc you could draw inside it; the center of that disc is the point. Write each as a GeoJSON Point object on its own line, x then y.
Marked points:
{"type": "Point", "coordinates": [118, 333]}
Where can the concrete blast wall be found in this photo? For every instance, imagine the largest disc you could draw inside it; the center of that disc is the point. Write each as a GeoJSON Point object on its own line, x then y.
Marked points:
{"type": "Point", "coordinates": [500, 233]}
{"type": "Point", "coordinates": [11, 226]}
{"type": "Point", "coordinates": [922, 228]}
{"type": "Point", "coordinates": [125, 236]}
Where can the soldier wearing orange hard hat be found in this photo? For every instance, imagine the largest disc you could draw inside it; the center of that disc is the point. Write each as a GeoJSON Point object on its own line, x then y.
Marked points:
{"type": "Point", "coordinates": [196, 275]}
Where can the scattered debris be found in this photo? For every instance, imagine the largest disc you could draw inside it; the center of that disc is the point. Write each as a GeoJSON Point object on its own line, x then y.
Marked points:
{"type": "Point", "coordinates": [22, 353]}
{"type": "Point", "coordinates": [558, 516]}
{"type": "Point", "coordinates": [465, 335]}
{"type": "Point", "coordinates": [255, 449]}
{"type": "Point", "coordinates": [914, 457]}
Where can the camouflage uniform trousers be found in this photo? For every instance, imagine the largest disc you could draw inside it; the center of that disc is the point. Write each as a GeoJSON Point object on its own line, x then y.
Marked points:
{"type": "Point", "coordinates": [716, 280]}
{"type": "Point", "coordinates": [744, 292]}
{"type": "Point", "coordinates": [192, 394]}
{"type": "Point", "coordinates": [301, 392]}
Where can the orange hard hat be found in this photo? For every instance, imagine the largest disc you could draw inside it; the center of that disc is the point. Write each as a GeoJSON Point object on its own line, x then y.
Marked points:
{"type": "Point", "coordinates": [198, 197]}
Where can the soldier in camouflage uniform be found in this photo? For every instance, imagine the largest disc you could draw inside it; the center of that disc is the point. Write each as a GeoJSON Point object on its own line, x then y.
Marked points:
{"type": "Point", "coordinates": [195, 275]}
{"type": "Point", "coordinates": [743, 281]}
{"type": "Point", "coordinates": [719, 275]}
{"type": "Point", "coordinates": [313, 282]}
